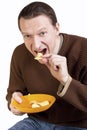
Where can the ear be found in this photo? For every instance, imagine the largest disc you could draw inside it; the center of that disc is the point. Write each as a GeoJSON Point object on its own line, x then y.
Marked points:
{"type": "Point", "coordinates": [57, 28]}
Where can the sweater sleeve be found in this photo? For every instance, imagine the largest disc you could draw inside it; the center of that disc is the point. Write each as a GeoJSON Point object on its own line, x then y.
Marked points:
{"type": "Point", "coordinates": [77, 94]}
{"type": "Point", "coordinates": [16, 82]}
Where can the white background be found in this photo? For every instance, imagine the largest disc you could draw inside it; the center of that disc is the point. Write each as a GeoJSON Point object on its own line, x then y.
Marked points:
{"type": "Point", "coordinates": [72, 16]}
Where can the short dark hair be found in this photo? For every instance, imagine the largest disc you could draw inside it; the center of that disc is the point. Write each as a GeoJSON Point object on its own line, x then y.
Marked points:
{"type": "Point", "coordinates": [35, 9]}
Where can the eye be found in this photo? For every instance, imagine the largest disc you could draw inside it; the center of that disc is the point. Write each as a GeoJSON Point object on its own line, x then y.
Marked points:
{"type": "Point", "coordinates": [26, 36]}
{"type": "Point", "coordinates": [43, 33]}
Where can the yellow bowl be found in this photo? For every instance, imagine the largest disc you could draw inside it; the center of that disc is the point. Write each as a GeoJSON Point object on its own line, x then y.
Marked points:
{"type": "Point", "coordinates": [34, 103]}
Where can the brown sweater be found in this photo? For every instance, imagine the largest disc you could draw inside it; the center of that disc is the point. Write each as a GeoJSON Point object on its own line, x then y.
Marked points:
{"type": "Point", "coordinates": [29, 76]}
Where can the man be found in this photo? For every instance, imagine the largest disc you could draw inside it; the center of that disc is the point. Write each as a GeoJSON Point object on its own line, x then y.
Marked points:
{"type": "Point", "coordinates": [61, 71]}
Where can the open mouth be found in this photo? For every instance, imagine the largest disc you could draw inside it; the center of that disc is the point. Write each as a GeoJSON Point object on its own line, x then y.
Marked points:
{"type": "Point", "coordinates": [40, 54]}
{"type": "Point", "coordinates": [43, 52]}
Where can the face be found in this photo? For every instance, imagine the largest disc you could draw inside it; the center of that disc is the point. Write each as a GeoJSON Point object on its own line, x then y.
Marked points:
{"type": "Point", "coordinates": [39, 34]}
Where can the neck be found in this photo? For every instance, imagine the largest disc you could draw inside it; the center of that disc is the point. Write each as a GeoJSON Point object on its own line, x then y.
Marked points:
{"type": "Point", "coordinates": [59, 41]}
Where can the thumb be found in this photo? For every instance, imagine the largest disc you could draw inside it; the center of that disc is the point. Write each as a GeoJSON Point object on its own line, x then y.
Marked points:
{"type": "Point", "coordinates": [17, 96]}
{"type": "Point", "coordinates": [48, 65]}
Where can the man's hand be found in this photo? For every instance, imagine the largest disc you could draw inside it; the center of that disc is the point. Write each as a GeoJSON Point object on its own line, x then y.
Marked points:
{"type": "Point", "coordinates": [57, 65]}
{"type": "Point", "coordinates": [16, 96]}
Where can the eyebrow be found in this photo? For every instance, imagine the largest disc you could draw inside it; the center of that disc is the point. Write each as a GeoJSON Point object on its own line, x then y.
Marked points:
{"type": "Point", "coordinates": [24, 32]}
{"type": "Point", "coordinates": [42, 29]}
{"type": "Point", "coordinates": [38, 31]}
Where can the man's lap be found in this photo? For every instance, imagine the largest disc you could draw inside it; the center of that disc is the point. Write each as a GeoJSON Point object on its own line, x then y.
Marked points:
{"type": "Point", "coordinates": [32, 123]}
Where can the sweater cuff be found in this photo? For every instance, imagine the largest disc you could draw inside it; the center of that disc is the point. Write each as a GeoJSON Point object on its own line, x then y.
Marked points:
{"type": "Point", "coordinates": [63, 89]}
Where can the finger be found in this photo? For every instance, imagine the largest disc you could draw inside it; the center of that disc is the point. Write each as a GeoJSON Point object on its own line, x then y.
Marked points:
{"type": "Point", "coordinates": [53, 64]}
{"type": "Point", "coordinates": [15, 111]}
{"type": "Point", "coordinates": [45, 58]}
{"type": "Point", "coordinates": [47, 55]}
{"type": "Point", "coordinates": [17, 97]}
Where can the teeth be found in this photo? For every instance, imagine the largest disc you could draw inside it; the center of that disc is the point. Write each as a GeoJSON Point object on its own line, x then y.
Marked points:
{"type": "Point", "coordinates": [39, 56]}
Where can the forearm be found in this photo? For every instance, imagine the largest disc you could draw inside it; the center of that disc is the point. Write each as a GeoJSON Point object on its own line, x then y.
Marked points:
{"type": "Point", "coordinates": [62, 89]}
{"type": "Point", "coordinates": [75, 94]}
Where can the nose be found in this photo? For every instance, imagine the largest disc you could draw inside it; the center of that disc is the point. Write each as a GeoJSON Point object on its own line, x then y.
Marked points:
{"type": "Point", "coordinates": [36, 42]}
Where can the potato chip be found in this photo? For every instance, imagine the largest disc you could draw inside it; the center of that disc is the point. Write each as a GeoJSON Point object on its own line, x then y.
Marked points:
{"type": "Point", "coordinates": [39, 56]}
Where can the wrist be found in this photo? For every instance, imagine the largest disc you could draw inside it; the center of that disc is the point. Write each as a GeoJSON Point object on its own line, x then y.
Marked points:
{"type": "Point", "coordinates": [62, 89]}
{"type": "Point", "coordinates": [64, 80]}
